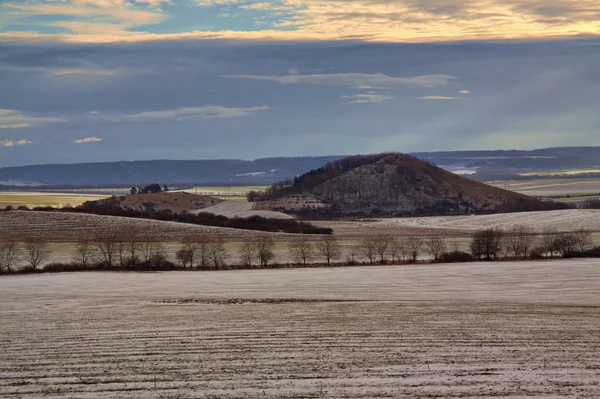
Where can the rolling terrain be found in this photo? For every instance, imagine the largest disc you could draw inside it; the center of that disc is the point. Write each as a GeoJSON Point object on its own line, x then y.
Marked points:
{"type": "Point", "coordinates": [175, 202]}
{"type": "Point", "coordinates": [506, 330]}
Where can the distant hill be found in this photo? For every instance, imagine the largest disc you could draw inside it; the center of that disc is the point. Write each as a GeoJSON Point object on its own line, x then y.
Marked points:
{"type": "Point", "coordinates": [490, 165]}
{"type": "Point", "coordinates": [480, 165]}
{"type": "Point", "coordinates": [175, 202]}
{"type": "Point", "coordinates": [386, 185]}
{"type": "Point", "coordinates": [259, 171]}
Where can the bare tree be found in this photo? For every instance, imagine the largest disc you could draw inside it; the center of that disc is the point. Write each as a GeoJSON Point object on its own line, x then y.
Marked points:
{"type": "Point", "coordinates": [9, 255]}
{"type": "Point", "coordinates": [159, 255]}
{"type": "Point", "coordinates": [583, 239]}
{"type": "Point", "coordinates": [436, 246]}
{"type": "Point", "coordinates": [566, 244]}
{"type": "Point", "coordinates": [107, 246]}
{"type": "Point", "coordinates": [36, 252]}
{"type": "Point", "coordinates": [84, 253]}
{"type": "Point", "coordinates": [133, 246]}
{"type": "Point", "coordinates": [190, 247]}
{"type": "Point", "coordinates": [414, 245]}
{"type": "Point", "coordinates": [122, 249]}
{"type": "Point", "coordinates": [247, 254]}
{"type": "Point", "coordinates": [153, 254]}
{"type": "Point", "coordinates": [549, 238]}
{"type": "Point", "coordinates": [263, 248]}
{"type": "Point", "coordinates": [184, 257]}
{"type": "Point", "coordinates": [487, 244]}
{"type": "Point", "coordinates": [397, 250]}
{"type": "Point", "coordinates": [519, 240]}
{"type": "Point", "coordinates": [382, 246]}
{"type": "Point", "coordinates": [302, 251]}
{"type": "Point", "coordinates": [368, 248]}
{"type": "Point", "coordinates": [329, 248]}
{"type": "Point", "coordinates": [217, 252]}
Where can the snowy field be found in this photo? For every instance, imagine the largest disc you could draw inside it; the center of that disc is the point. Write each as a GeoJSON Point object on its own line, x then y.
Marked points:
{"type": "Point", "coordinates": [234, 209]}
{"type": "Point", "coordinates": [563, 220]}
{"type": "Point", "coordinates": [504, 330]}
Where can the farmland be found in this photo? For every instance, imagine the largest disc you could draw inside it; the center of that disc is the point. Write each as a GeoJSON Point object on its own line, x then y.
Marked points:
{"type": "Point", "coordinates": [230, 193]}
{"type": "Point", "coordinates": [572, 172]}
{"type": "Point", "coordinates": [62, 230]}
{"type": "Point", "coordinates": [33, 198]}
{"type": "Point", "coordinates": [480, 330]}
{"type": "Point", "coordinates": [551, 187]}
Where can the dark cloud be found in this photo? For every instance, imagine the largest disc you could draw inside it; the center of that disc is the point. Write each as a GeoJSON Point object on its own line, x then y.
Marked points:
{"type": "Point", "coordinates": [527, 94]}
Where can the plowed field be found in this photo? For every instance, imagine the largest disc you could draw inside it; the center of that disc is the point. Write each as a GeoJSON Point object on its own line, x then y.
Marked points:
{"type": "Point", "coordinates": [502, 330]}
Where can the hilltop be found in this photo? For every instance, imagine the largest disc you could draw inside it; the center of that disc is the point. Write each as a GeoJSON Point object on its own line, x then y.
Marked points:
{"type": "Point", "coordinates": [175, 202]}
{"type": "Point", "coordinates": [387, 185]}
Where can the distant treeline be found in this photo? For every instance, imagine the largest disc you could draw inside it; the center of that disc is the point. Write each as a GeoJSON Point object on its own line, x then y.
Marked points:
{"type": "Point", "coordinates": [258, 223]}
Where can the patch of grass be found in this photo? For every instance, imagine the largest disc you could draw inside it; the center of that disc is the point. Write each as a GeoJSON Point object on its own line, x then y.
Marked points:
{"type": "Point", "coordinates": [32, 199]}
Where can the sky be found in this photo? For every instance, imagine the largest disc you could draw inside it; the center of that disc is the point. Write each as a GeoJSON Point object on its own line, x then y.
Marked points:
{"type": "Point", "coordinates": [112, 80]}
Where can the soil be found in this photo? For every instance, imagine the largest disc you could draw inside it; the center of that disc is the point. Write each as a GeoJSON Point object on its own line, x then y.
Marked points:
{"type": "Point", "coordinates": [503, 330]}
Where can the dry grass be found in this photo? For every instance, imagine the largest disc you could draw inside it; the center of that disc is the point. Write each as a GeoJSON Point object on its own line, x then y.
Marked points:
{"type": "Point", "coordinates": [469, 331]}
{"type": "Point", "coordinates": [571, 172]}
{"type": "Point", "coordinates": [33, 199]}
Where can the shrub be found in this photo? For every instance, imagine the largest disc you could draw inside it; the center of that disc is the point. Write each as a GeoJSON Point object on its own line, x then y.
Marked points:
{"type": "Point", "coordinates": [457, 257]}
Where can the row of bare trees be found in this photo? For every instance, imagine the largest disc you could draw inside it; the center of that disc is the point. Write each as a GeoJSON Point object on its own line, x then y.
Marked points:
{"type": "Point", "coordinates": [522, 242]}
{"type": "Point", "coordinates": [202, 251]}
{"type": "Point", "coordinates": [381, 248]}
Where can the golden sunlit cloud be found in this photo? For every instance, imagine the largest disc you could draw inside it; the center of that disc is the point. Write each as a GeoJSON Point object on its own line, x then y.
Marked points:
{"type": "Point", "coordinates": [366, 20]}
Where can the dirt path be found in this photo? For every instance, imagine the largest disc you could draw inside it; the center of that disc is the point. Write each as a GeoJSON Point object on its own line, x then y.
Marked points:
{"type": "Point", "coordinates": [506, 330]}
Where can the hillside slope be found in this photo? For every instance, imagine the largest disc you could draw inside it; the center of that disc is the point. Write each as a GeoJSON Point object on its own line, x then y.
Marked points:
{"type": "Point", "coordinates": [386, 184]}
{"type": "Point", "coordinates": [175, 202]}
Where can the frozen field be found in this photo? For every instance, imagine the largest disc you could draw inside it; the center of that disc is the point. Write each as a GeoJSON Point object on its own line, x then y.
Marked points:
{"type": "Point", "coordinates": [563, 220]}
{"type": "Point", "coordinates": [551, 187]}
{"type": "Point", "coordinates": [505, 330]}
{"type": "Point", "coordinates": [70, 227]}
{"type": "Point", "coordinates": [233, 209]}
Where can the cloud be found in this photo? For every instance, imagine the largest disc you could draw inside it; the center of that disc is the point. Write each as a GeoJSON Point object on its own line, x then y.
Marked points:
{"type": "Point", "coordinates": [10, 119]}
{"type": "Point", "coordinates": [367, 98]}
{"type": "Point", "coordinates": [206, 112]}
{"type": "Point", "coordinates": [464, 92]}
{"type": "Point", "coordinates": [10, 143]}
{"type": "Point", "coordinates": [79, 71]}
{"type": "Point", "coordinates": [351, 80]}
{"type": "Point", "coordinates": [438, 98]}
{"type": "Point", "coordinates": [88, 140]}
{"type": "Point", "coordinates": [93, 21]}
{"type": "Point", "coordinates": [88, 17]}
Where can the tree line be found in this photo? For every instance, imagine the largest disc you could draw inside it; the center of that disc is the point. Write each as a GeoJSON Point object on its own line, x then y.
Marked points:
{"type": "Point", "coordinates": [128, 250]}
